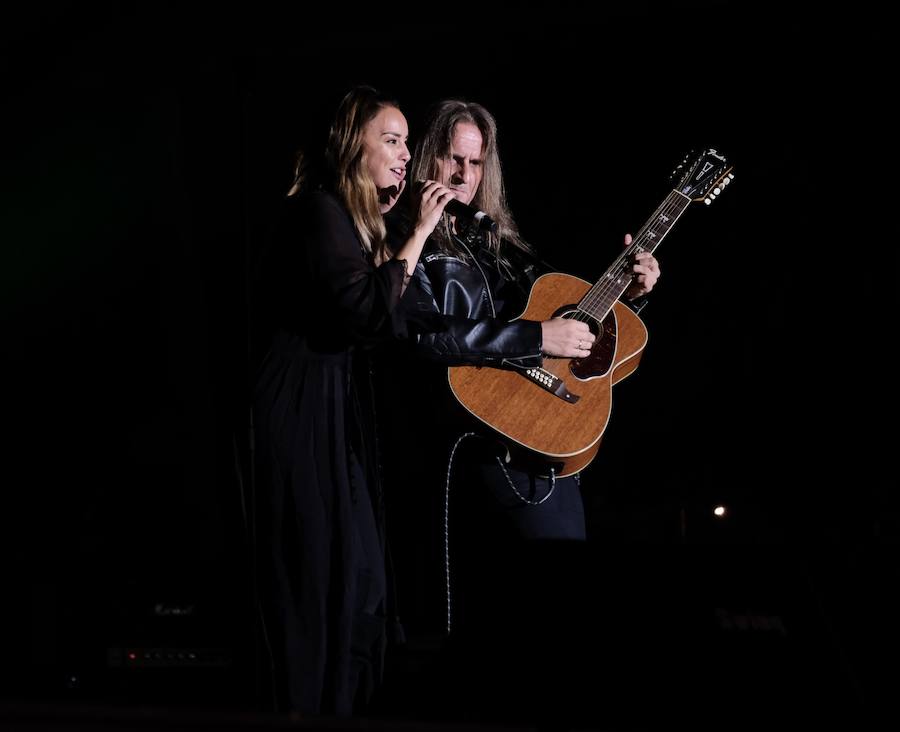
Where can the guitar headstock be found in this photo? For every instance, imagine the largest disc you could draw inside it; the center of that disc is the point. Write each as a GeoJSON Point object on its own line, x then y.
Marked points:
{"type": "Point", "coordinates": [702, 176]}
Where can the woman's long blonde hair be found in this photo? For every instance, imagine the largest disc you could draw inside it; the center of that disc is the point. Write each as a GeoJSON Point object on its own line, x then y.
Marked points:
{"type": "Point", "coordinates": [345, 173]}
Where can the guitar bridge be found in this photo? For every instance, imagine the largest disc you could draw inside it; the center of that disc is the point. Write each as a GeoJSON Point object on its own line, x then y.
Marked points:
{"type": "Point", "coordinates": [551, 383]}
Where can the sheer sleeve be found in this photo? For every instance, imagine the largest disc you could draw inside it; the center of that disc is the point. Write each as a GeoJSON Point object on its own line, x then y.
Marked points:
{"type": "Point", "coordinates": [360, 296]}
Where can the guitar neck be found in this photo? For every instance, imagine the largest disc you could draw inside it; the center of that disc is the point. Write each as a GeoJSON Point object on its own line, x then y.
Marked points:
{"type": "Point", "coordinates": [609, 288]}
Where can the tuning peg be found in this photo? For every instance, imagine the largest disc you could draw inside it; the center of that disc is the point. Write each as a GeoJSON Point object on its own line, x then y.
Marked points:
{"type": "Point", "coordinates": [707, 201]}
{"type": "Point", "coordinates": [717, 191]}
{"type": "Point", "coordinates": [731, 176]}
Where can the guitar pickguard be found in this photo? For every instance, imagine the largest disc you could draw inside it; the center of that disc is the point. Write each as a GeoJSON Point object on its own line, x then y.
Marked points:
{"type": "Point", "coordinates": [603, 352]}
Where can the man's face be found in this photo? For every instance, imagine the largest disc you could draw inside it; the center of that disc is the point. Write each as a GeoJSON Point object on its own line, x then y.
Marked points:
{"type": "Point", "coordinates": [462, 171]}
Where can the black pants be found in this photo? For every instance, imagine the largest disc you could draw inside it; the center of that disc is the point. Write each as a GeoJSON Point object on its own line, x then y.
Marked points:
{"type": "Point", "coordinates": [526, 507]}
{"type": "Point", "coordinates": [515, 541]}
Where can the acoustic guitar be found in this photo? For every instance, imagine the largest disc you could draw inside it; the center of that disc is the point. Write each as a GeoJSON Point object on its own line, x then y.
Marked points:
{"type": "Point", "coordinates": [552, 418]}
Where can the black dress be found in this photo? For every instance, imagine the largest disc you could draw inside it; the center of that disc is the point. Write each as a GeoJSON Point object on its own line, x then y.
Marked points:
{"type": "Point", "coordinates": [320, 525]}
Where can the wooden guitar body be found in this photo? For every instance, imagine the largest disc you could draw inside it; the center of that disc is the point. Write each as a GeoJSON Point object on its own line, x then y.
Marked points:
{"type": "Point", "coordinates": [553, 418]}
{"type": "Point", "coordinates": [543, 429]}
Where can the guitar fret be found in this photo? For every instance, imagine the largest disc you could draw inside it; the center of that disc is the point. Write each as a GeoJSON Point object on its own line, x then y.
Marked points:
{"type": "Point", "coordinates": [609, 288]}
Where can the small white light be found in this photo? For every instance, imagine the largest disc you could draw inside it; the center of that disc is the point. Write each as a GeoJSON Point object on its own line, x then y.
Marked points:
{"type": "Point", "coordinates": [719, 511]}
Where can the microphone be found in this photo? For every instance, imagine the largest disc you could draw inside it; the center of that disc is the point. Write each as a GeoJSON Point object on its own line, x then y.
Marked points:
{"type": "Point", "coordinates": [468, 213]}
{"type": "Point", "coordinates": [465, 212]}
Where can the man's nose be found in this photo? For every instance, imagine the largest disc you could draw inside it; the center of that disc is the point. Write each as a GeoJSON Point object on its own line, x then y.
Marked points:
{"type": "Point", "coordinates": [462, 172]}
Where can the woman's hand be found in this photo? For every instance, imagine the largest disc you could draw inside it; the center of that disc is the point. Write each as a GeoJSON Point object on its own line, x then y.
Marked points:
{"type": "Point", "coordinates": [432, 198]}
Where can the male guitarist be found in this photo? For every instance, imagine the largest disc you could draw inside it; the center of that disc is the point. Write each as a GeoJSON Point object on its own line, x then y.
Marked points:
{"type": "Point", "coordinates": [481, 279]}
{"type": "Point", "coordinates": [468, 285]}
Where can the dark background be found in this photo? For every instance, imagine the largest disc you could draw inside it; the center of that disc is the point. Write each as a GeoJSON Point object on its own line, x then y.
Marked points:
{"type": "Point", "coordinates": [146, 149]}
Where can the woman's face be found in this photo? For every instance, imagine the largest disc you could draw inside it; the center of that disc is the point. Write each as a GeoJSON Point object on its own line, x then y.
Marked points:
{"type": "Point", "coordinates": [385, 154]}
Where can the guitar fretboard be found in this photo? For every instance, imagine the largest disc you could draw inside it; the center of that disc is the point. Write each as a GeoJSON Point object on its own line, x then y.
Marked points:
{"type": "Point", "coordinates": [609, 288]}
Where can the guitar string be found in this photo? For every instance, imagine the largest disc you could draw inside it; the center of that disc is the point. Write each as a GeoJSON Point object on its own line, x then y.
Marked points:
{"type": "Point", "coordinates": [675, 204]}
{"type": "Point", "coordinates": [641, 242]}
{"type": "Point", "coordinates": [611, 280]}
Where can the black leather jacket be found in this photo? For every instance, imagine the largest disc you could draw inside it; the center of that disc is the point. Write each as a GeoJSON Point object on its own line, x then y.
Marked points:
{"type": "Point", "coordinates": [478, 299]}
{"type": "Point", "coordinates": [465, 311]}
